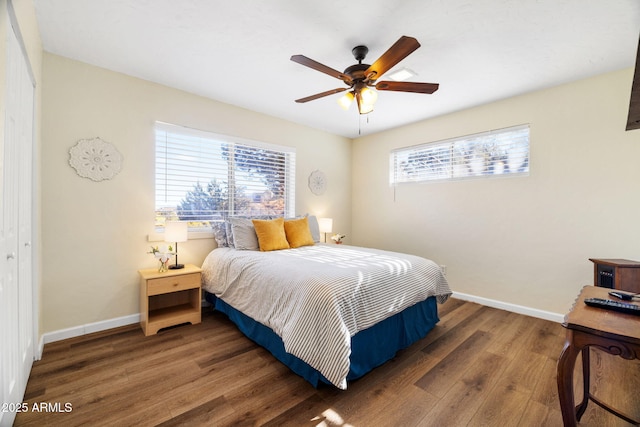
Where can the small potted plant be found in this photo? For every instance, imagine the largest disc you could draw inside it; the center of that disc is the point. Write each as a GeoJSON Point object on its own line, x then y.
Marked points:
{"type": "Point", "coordinates": [338, 238]}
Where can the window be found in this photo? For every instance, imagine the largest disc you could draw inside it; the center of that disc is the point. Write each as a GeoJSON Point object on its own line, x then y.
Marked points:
{"type": "Point", "coordinates": [203, 177]}
{"type": "Point", "coordinates": [499, 152]}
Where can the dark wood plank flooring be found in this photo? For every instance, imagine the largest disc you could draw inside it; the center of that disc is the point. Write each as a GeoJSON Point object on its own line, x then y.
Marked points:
{"type": "Point", "coordinates": [479, 366]}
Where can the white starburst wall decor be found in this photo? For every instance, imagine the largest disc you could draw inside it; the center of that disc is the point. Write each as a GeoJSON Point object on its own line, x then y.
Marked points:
{"type": "Point", "coordinates": [95, 159]}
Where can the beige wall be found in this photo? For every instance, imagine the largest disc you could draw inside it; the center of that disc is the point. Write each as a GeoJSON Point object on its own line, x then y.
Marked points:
{"type": "Point", "coordinates": [525, 240]}
{"type": "Point", "coordinates": [95, 233]}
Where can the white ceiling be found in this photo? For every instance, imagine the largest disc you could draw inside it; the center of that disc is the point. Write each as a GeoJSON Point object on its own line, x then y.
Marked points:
{"type": "Point", "coordinates": [238, 51]}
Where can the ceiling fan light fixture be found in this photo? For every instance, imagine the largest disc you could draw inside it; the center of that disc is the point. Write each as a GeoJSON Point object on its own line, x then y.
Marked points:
{"type": "Point", "coordinates": [366, 99]}
{"type": "Point", "coordinates": [369, 96]}
{"type": "Point", "coordinates": [345, 100]}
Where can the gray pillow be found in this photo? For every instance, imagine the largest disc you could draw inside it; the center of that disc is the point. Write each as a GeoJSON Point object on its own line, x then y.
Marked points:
{"type": "Point", "coordinates": [229, 231]}
{"type": "Point", "coordinates": [220, 234]}
{"type": "Point", "coordinates": [244, 234]}
{"type": "Point", "coordinates": [314, 228]}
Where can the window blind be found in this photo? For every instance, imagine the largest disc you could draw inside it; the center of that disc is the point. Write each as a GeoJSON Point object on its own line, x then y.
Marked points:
{"type": "Point", "coordinates": [497, 152]}
{"type": "Point", "coordinates": [202, 177]}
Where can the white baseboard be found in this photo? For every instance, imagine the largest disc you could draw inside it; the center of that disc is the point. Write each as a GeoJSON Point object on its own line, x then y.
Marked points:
{"type": "Point", "coordinates": [527, 311]}
{"type": "Point", "coordinates": [40, 349]}
{"type": "Point", "coordinates": [135, 318]}
{"type": "Point", "coordinates": [89, 328]}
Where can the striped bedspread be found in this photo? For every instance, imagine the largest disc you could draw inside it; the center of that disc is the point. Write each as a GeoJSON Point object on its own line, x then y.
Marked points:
{"type": "Point", "coordinates": [317, 297]}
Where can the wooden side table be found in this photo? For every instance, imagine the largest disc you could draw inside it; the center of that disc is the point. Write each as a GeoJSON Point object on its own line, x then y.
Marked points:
{"type": "Point", "coordinates": [610, 331]}
{"type": "Point", "coordinates": [170, 298]}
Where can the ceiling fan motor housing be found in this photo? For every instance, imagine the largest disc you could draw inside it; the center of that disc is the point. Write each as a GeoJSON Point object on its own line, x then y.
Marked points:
{"type": "Point", "coordinates": [356, 71]}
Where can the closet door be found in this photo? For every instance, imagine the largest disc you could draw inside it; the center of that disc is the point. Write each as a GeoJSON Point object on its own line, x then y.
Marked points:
{"type": "Point", "coordinates": [16, 288]}
{"type": "Point", "coordinates": [24, 140]}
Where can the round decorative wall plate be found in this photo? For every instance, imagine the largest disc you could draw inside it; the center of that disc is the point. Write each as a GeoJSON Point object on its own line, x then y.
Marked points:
{"type": "Point", "coordinates": [95, 159]}
{"type": "Point", "coordinates": [317, 182]}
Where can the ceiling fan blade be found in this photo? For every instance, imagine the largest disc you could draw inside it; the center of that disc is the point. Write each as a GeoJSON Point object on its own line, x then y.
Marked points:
{"type": "Point", "coordinates": [408, 86]}
{"type": "Point", "coordinates": [308, 62]}
{"type": "Point", "coordinates": [321, 94]}
{"type": "Point", "coordinates": [396, 53]}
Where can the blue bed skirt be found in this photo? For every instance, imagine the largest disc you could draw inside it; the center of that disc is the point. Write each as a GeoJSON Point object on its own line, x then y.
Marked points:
{"type": "Point", "coordinates": [369, 348]}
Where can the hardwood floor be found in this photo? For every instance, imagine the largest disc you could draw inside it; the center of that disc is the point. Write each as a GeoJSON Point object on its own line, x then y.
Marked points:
{"type": "Point", "coordinates": [479, 366]}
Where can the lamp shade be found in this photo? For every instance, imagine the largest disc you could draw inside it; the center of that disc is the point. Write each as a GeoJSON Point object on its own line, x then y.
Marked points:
{"type": "Point", "coordinates": [346, 100]}
{"type": "Point", "coordinates": [366, 99]}
{"type": "Point", "coordinates": [175, 231]}
{"type": "Point", "coordinates": [369, 96]}
{"type": "Point", "coordinates": [325, 225]}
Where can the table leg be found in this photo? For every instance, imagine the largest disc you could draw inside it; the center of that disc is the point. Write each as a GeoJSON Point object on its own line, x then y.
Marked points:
{"type": "Point", "coordinates": [566, 364]}
{"type": "Point", "coordinates": [586, 381]}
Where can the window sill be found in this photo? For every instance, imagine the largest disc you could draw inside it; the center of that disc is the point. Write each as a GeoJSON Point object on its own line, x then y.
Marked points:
{"type": "Point", "coordinates": [193, 235]}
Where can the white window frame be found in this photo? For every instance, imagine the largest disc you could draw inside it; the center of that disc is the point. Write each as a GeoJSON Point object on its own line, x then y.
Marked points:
{"type": "Point", "coordinates": [503, 152]}
{"type": "Point", "coordinates": [196, 147]}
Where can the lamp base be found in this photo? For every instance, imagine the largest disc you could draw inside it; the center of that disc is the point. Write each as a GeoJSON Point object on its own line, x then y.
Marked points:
{"type": "Point", "coordinates": [176, 266]}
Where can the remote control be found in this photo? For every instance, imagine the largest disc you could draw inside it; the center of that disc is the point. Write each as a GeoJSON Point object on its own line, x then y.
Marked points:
{"type": "Point", "coordinates": [623, 307]}
{"type": "Point", "coordinates": [626, 297]}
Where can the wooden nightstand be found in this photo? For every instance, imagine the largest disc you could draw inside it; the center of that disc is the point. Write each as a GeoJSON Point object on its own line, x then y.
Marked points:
{"type": "Point", "coordinates": [169, 298]}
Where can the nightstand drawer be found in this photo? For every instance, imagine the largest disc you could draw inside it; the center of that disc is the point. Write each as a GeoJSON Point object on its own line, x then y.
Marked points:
{"type": "Point", "coordinates": [172, 284]}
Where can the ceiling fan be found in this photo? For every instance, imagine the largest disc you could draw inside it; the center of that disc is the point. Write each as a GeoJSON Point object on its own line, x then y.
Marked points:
{"type": "Point", "coordinates": [360, 78]}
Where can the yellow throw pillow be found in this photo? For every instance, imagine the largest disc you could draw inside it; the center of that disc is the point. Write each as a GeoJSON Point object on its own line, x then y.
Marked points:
{"type": "Point", "coordinates": [298, 232]}
{"type": "Point", "coordinates": [271, 235]}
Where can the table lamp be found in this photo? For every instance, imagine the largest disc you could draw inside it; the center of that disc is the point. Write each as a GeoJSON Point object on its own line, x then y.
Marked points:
{"type": "Point", "coordinates": [326, 226]}
{"type": "Point", "coordinates": [174, 232]}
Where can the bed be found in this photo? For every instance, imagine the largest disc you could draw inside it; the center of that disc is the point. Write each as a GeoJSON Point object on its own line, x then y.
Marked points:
{"type": "Point", "coordinates": [331, 313]}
